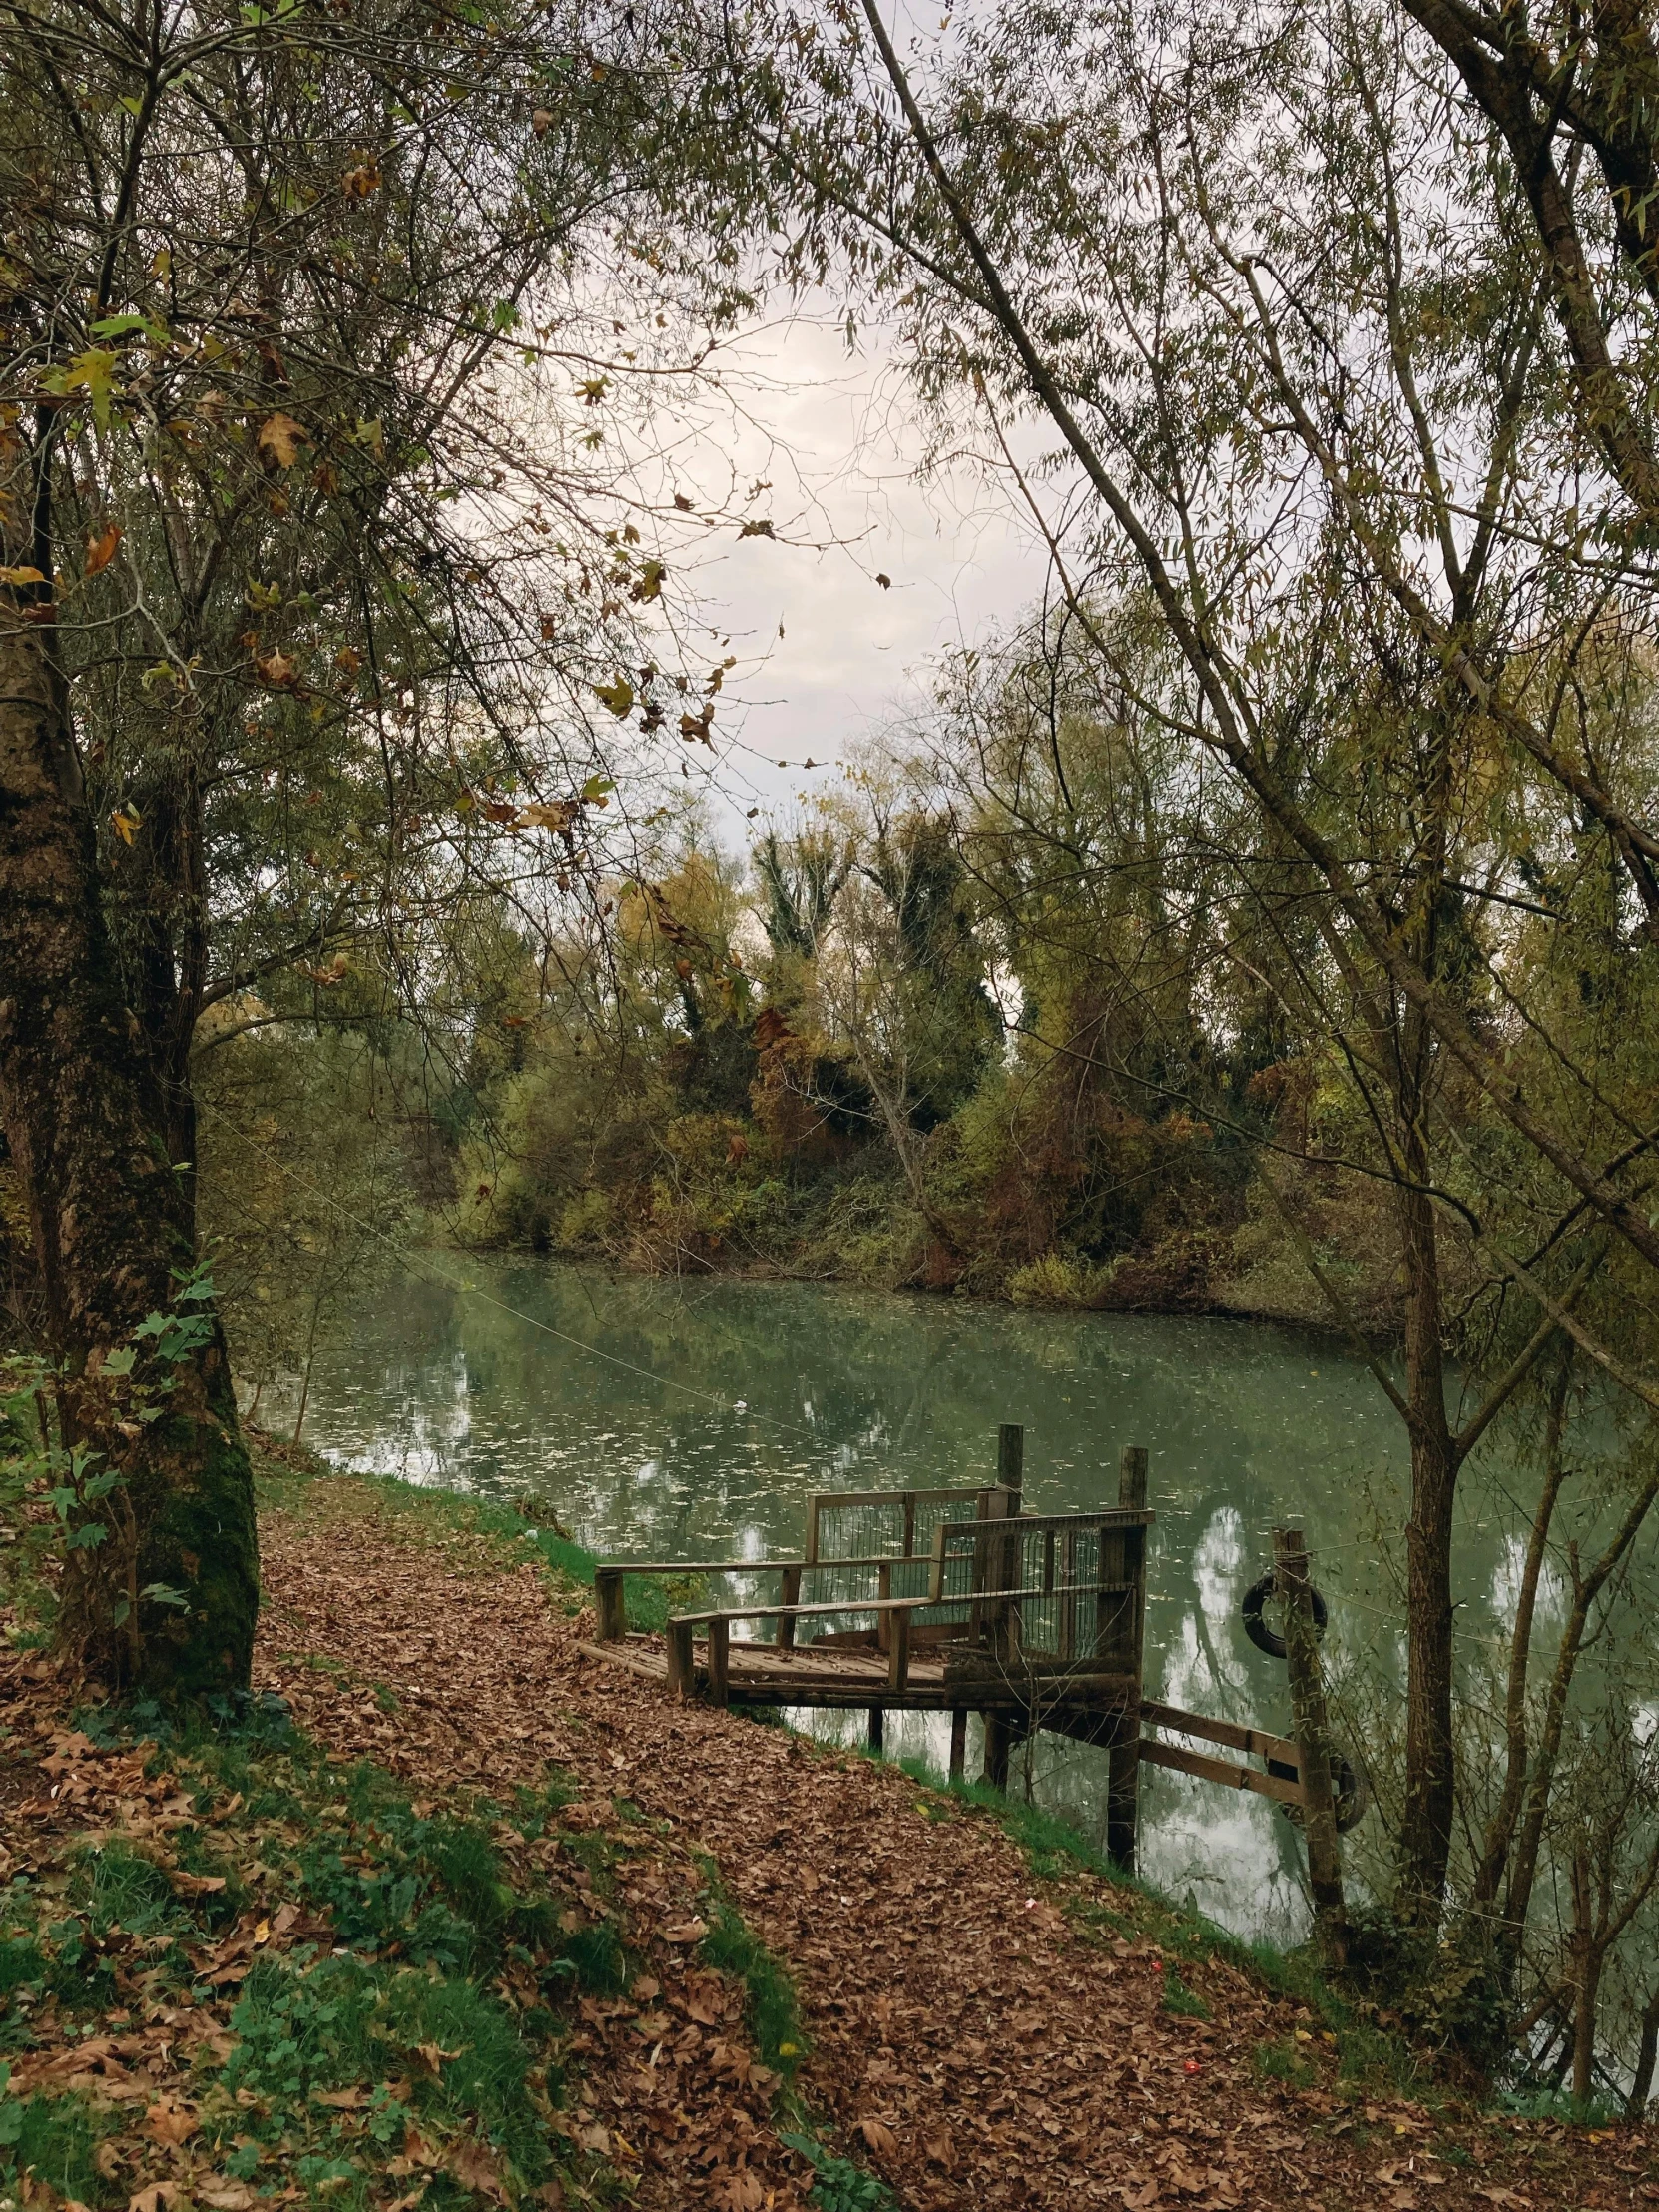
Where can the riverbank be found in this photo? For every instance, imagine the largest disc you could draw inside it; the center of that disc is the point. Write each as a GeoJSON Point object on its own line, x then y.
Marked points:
{"type": "Point", "coordinates": [822, 1957]}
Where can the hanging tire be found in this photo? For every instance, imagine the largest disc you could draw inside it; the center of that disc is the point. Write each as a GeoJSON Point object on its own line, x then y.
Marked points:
{"type": "Point", "coordinates": [1353, 1792]}
{"type": "Point", "coordinates": [1257, 1629]}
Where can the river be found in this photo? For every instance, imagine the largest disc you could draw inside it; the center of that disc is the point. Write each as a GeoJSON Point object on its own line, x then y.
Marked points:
{"type": "Point", "coordinates": [693, 1418]}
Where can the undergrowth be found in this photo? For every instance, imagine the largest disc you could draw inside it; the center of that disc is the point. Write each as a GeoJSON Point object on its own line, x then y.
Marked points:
{"type": "Point", "coordinates": [357, 1984]}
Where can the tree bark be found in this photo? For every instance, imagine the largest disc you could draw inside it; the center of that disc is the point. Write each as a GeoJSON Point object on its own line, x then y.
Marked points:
{"type": "Point", "coordinates": [110, 1228]}
{"type": "Point", "coordinates": [1430, 1761]}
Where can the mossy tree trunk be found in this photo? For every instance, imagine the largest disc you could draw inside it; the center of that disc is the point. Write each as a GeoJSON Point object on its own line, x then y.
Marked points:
{"type": "Point", "coordinates": [83, 1110]}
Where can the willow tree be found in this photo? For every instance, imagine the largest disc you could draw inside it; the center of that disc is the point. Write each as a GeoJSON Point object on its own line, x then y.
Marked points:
{"type": "Point", "coordinates": [306, 584]}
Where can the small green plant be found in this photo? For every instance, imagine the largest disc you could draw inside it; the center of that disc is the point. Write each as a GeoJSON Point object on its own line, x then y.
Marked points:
{"type": "Point", "coordinates": [1558, 2104]}
{"type": "Point", "coordinates": [839, 2185]}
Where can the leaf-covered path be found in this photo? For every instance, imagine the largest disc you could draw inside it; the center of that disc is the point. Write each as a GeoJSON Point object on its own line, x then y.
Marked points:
{"type": "Point", "coordinates": [981, 2036]}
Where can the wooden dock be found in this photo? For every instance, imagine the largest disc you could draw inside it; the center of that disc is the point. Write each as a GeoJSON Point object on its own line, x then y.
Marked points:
{"type": "Point", "coordinates": [952, 1602]}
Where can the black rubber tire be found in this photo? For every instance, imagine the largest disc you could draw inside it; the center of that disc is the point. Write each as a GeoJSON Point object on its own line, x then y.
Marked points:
{"type": "Point", "coordinates": [1353, 1792]}
{"type": "Point", "coordinates": [1257, 1629]}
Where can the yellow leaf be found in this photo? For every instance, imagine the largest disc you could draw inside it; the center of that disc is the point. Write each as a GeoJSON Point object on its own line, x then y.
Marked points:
{"type": "Point", "coordinates": [94, 373]}
{"type": "Point", "coordinates": [281, 437]}
{"type": "Point", "coordinates": [101, 549]}
{"type": "Point", "coordinates": [126, 821]}
{"type": "Point", "coordinates": [20, 576]}
{"type": "Point", "coordinates": [619, 697]}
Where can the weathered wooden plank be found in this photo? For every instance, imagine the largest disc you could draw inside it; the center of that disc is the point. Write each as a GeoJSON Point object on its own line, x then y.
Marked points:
{"type": "Point", "coordinates": [1230, 1732]}
{"type": "Point", "coordinates": [679, 1673]}
{"type": "Point", "coordinates": [899, 1652]}
{"type": "Point", "coordinates": [720, 1658]}
{"type": "Point", "coordinates": [609, 1605]}
{"type": "Point", "coordinates": [791, 1596]}
{"type": "Point", "coordinates": [1155, 1754]}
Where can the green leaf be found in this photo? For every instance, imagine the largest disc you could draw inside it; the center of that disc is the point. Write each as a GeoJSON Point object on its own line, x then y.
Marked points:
{"type": "Point", "coordinates": [121, 1360]}
{"type": "Point", "coordinates": [619, 697]}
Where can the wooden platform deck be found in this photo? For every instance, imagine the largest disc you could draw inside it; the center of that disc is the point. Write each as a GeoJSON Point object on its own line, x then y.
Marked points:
{"type": "Point", "coordinates": [857, 1677]}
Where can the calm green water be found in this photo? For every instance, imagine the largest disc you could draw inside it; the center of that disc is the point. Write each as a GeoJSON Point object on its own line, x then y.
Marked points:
{"type": "Point", "coordinates": [692, 1419]}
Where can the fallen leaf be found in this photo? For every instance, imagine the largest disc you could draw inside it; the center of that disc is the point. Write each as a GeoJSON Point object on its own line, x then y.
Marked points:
{"type": "Point", "coordinates": [171, 2120]}
{"type": "Point", "coordinates": [879, 2137]}
{"type": "Point", "coordinates": [155, 2196]}
{"type": "Point", "coordinates": [686, 1932]}
{"type": "Point", "coordinates": [223, 2195]}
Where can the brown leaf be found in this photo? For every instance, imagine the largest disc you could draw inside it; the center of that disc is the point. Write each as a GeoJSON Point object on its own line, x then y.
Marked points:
{"type": "Point", "coordinates": [101, 549]}
{"type": "Point", "coordinates": [879, 2137]}
{"type": "Point", "coordinates": [155, 2196]}
{"type": "Point", "coordinates": [171, 2120]}
{"type": "Point", "coordinates": [194, 1885]}
{"type": "Point", "coordinates": [686, 1932]}
{"type": "Point", "coordinates": [473, 2167]}
{"type": "Point", "coordinates": [281, 437]}
{"type": "Point", "coordinates": [224, 2194]}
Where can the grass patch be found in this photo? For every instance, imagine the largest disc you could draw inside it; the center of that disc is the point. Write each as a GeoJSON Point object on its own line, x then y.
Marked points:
{"type": "Point", "coordinates": [1281, 2062]}
{"type": "Point", "coordinates": [53, 2139]}
{"type": "Point", "coordinates": [1182, 2002]}
{"type": "Point", "coordinates": [771, 2010]}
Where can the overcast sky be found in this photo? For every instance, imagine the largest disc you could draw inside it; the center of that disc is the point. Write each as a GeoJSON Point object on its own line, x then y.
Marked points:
{"type": "Point", "coordinates": [835, 438]}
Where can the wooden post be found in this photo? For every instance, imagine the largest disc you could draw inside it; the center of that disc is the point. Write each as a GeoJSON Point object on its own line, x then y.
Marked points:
{"type": "Point", "coordinates": [720, 1658]}
{"type": "Point", "coordinates": [992, 1570]}
{"type": "Point", "coordinates": [877, 1727]}
{"type": "Point", "coordinates": [883, 1621]}
{"type": "Point", "coordinates": [899, 1651]}
{"type": "Point", "coordinates": [1120, 1630]}
{"type": "Point", "coordinates": [680, 1679]}
{"type": "Point", "coordinates": [1010, 1457]}
{"type": "Point", "coordinates": [1313, 1744]}
{"type": "Point", "coordinates": [610, 1605]}
{"type": "Point", "coordinates": [958, 1742]}
{"type": "Point", "coordinates": [791, 1596]}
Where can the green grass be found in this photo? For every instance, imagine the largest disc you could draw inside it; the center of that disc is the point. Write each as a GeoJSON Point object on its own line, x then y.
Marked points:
{"type": "Point", "coordinates": [771, 2008]}
{"type": "Point", "coordinates": [437, 1990]}
{"type": "Point", "coordinates": [54, 2139]}
{"type": "Point", "coordinates": [1281, 2062]}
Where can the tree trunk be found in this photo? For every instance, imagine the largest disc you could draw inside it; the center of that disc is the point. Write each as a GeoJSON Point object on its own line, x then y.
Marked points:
{"type": "Point", "coordinates": [1588, 1955]}
{"type": "Point", "coordinates": [1500, 1833]}
{"type": "Point", "coordinates": [1431, 1764]}
{"type": "Point", "coordinates": [110, 1232]}
{"type": "Point", "coordinates": [1647, 2059]}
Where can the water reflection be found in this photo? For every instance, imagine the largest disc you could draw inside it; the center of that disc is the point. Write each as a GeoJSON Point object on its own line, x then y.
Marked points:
{"type": "Point", "coordinates": [721, 1405]}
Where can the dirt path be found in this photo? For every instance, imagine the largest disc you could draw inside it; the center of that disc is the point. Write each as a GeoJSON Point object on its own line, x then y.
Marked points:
{"type": "Point", "coordinates": [981, 2035]}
